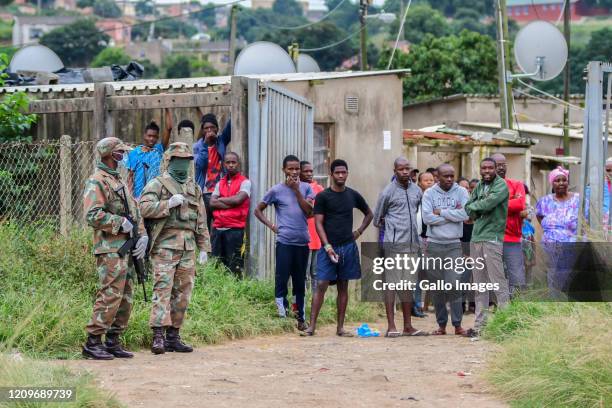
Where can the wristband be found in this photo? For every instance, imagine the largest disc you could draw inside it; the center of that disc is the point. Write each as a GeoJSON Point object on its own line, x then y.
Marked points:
{"type": "Point", "coordinates": [327, 247]}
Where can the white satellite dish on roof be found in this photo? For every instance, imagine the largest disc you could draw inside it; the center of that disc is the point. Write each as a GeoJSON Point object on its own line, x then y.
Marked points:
{"type": "Point", "coordinates": [263, 57]}
{"type": "Point", "coordinates": [306, 63]}
{"type": "Point", "coordinates": [540, 51]}
{"type": "Point", "coordinates": [35, 58]}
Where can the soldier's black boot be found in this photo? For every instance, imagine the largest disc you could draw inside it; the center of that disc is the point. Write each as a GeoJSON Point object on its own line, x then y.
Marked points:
{"type": "Point", "coordinates": [158, 341]}
{"type": "Point", "coordinates": [113, 346]}
{"type": "Point", "coordinates": [174, 343]}
{"type": "Point", "coordinates": [95, 350]}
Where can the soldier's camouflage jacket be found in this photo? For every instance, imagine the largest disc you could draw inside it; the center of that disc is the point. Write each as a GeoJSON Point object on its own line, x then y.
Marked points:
{"type": "Point", "coordinates": [104, 211]}
{"type": "Point", "coordinates": [179, 228]}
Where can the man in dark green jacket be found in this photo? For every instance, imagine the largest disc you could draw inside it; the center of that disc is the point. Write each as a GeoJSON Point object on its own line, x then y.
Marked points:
{"type": "Point", "coordinates": [488, 207]}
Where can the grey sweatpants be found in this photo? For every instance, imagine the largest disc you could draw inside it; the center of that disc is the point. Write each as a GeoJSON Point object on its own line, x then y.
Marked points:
{"type": "Point", "coordinates": [514, 266]}
{"type": "Point", "coordinates": [493, 272]}
{"type": "Point", "coordinates": [453, 297]}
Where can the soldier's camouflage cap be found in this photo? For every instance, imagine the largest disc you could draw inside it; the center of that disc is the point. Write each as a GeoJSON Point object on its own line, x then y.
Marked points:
{"type": "Point", "coordinates": [179, 149]}
{"type": "Point", "coordinates": [110, 144]}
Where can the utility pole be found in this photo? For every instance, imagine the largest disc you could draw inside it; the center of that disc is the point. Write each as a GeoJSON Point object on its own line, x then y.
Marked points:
{"type": "Point", "coordinates": [232, 40]}
{"type": "Point", "coordinates": [566, 80]}
{"type": "Point", "coordinates": [363, 35]}
{"type": "Point", "coordinates": [503, 64]}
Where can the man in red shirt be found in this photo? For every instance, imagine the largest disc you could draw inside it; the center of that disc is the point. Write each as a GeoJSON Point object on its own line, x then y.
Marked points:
{"type": "Point", "coordinates": [306, 175]}
{"type": "Point", "coordinates": [230, 204]}
{"type": "Point", "coordinates": [514, 265]}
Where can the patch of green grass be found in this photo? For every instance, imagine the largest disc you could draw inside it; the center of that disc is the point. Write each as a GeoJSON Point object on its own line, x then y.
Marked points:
{"type": "Point", "coordinates": [49, 282]}
{"type": "Point", "coordinates": [19, 372]}
{"type": "Point", "coordinates": [552, 354]}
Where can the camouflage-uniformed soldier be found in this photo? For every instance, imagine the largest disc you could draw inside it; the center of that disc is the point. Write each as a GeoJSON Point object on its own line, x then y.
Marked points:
{"type": "Point", "coordinates": [173, 204]}
{"type": "Point", "coordinates": [105, 211]}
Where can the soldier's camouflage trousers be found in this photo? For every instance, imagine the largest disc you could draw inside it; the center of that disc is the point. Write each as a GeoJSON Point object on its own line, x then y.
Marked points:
{"type": "Point", "coordinates": [174, 273]}
{"type": "Point", "coordinates": [113, 305]}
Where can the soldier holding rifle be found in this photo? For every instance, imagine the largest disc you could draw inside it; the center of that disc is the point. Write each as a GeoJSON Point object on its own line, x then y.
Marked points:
{"type": "Point", "coordinates": [114, 216]}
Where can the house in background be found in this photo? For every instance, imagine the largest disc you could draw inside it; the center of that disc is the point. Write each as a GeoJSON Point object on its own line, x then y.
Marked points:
{"type": "Point", "coordinates": [118, 29]}
{"type": "Point", "coordinates": [524, 11]}
{"type": "Point", "coordinates": [29, 29]}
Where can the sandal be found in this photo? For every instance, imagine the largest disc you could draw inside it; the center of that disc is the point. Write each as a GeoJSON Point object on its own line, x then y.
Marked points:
{"type": "Point", "coordinates": [393, 334]}
{"type": "Point", "coordinates": [460, 331]}
{"type": "Point", "coordinates": [439, 332]}
{"type": "Point", "coordinates": [344, 333]}
{"type": "Point", "coordinates": [415, 333]}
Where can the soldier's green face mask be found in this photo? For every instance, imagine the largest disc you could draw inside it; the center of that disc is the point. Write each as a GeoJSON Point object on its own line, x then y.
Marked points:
{"type": "Point", "coordinates": [179, 169]}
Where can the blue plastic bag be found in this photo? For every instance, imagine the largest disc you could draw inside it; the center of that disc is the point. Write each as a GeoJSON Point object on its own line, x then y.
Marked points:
{"type": "Point", "coordinates": [365, 331]}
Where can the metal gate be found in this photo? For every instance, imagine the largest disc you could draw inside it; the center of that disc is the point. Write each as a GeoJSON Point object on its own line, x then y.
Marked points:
{"type": "Point", "coordinates": [280, 123]}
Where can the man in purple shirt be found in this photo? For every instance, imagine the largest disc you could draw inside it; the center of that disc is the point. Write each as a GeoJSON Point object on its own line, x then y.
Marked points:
{"type": "Point", "coordinates": [293, 201]}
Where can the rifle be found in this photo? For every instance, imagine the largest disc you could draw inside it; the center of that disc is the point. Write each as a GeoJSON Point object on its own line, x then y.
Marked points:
{"type": "Point", "coordinates": [128, 246]}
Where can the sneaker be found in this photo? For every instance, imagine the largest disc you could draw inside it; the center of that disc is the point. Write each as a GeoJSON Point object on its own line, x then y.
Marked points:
{"type": "Point", "coordinates": [280, 306]}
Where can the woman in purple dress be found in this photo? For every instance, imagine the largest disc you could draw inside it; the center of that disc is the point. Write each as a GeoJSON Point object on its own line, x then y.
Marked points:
{"type": "Point", "coordinates": [558, 215]}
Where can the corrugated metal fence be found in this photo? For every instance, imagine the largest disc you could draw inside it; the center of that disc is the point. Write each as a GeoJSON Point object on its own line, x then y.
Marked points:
{"type": "Point", "coordinates": [280, 123]}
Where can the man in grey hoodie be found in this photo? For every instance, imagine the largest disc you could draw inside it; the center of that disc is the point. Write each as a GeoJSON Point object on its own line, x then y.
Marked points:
{"type": "Point", "coordinates": [443, 212]}
{"type": "Point", "coordinates": [396, 213]}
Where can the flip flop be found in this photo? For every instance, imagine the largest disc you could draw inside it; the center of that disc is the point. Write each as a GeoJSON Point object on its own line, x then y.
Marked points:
{"type": "Point", "coordinates": [345, 334]}
{"type": "Point", "coordinates": [438, 332]}
{"type": "Point", "coordinates": [306, 334]}
{"type": "Point", "coordinates": [416, 333]}
{"type": "Point", "coordinates": [393, 334]}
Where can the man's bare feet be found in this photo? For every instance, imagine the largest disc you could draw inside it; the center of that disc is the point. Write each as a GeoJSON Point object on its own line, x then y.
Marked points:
{"type": "Point", "coordinates": [308, 332]}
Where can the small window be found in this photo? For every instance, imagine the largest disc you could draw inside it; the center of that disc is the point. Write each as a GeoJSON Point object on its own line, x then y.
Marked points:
{"type": "Point", "coordinates": [321, 152]}
{"type": "Point", "coordinates": [545, 7]}
{"type": "Point", "coordinates": [526, 10]}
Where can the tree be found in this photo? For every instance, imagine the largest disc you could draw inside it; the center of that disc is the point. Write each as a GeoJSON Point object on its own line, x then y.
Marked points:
{"type": "Point", "coordinates": [14, 119]}
{"type": "Point", "coordinates": [144, 8]}
{"type": "Point", "coordinates": [468, 19]}
{"type": "Point", "coordinates": [444, 66]}
{"type": "Point", "coordinates": [84, 3]}
{"type": "Point", "coordinates": [77, 43]}
{"type": "Point", "coordinates": [208, 15]}
{"type": "Point", "coordinates": [287, 8]}
{"type": "Point", "coordinates": [110, 56]}
{"type": "Point", "coordinates": [316, 36]}
{"type": "Point", "coordinates": [106, 9]}
{"type": "Point", "coordinates": [422, 20]}
{"type": "Point", "coordinates": [178, 67]}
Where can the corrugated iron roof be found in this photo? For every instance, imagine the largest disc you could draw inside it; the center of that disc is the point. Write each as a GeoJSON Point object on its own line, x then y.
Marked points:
{"type": "Point", "coordinates": [186, 83]}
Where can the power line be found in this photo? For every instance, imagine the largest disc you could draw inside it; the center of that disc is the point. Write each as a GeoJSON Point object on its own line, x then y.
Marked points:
{"type": "Point", "coordinates": [399, 32]}
{"type": "Point", "coordinates": [307, 24]}
{"type": "Point", "coordinates": [549, 95]}
{"type": "Point", "coordinates": [334, 44]}
{"type": "Point", "coordinates": [561, 14]}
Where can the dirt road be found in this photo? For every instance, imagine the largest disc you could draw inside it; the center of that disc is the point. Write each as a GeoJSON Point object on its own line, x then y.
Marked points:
{"type": "Point", "coordinates": [320, 371]}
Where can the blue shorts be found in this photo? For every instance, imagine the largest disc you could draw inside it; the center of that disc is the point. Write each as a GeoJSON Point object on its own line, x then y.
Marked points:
{"type": "Point", "coordinates": [347, 268]}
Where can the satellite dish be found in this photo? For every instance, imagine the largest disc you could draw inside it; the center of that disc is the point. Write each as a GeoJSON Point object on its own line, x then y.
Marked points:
{"type": "Point", "coordinates": [263, 57]}
{"type": "Point", "coordinates": [35, 58]}
{"type": "Point", "coordinates": [540, 51]}
{"type": "Point", "coordinates": [306, 63]}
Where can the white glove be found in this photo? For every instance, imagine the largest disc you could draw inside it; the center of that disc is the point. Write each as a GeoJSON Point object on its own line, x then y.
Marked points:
{"type": "Point", "coordinates": [203, 258]}
{"type": "Point", "coordinates": [126, 226]}
{"type": "Point", "coordinates": [176, 200]}
{"type": "Point", "coordinates": [141, 247]}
